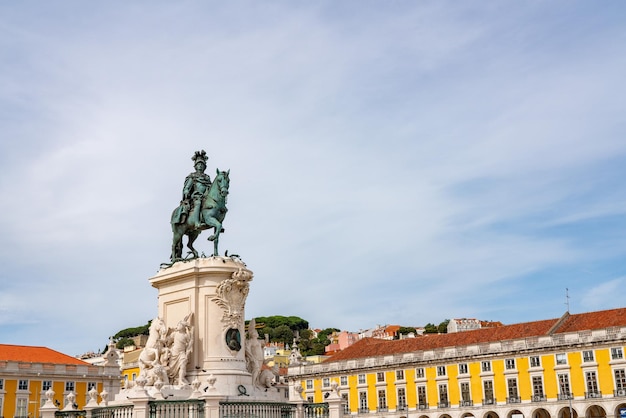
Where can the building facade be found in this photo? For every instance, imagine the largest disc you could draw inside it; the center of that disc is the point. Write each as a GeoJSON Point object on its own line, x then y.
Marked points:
{"type": "Point", "coordinates": [568, 367]}
{"type": "Point", "coordinates": [27, 373]}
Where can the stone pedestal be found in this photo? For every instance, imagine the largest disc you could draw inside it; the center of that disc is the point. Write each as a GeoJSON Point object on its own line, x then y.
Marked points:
{"type": "Point", "coordinates": [214, 290]}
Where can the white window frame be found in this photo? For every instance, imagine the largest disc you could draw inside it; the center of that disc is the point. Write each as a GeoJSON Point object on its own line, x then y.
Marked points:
{"type": "Point", "coordinates": [560, 359]}
{"type": "Point", "coordinates": [420, 373]}
{"type": "Point", "coordinates": [534, 359]}
{"type": "Point", "coordinates": [509, 364]}
{"type": "Point", "coordinates": [463, 368]}
{"type": "Point", "coordinates": [362, 380]}
{"type": "Point", "coordinates": [380, 377]}
{"type": "Point", "coordinates": [22, 384]}
{"type": "Point", "coordinates": [400, 374]}
{"type": "Point", "coordinates": [485, 366]}
{"type": "Point", "coordinates": [441, 371]}
{"type": "Point", "coordinates": [309, 384]}
{"type": "Point", "coordinates": [70, 386]}
{"type": "Point", "coordinates": [343, 380]}
{"type": "Point", "coordinates": [588, 356]}
{"type": "Point", "coordinates": [326, 382]}
{"type": "Point", "coordinates": [21, 406]}
{"type": "Point", "coordinates": [617, 353]}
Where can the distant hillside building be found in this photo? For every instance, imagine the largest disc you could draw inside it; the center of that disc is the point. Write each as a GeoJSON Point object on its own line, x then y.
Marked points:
{"type": "Point", "coordinates": [463, 324]}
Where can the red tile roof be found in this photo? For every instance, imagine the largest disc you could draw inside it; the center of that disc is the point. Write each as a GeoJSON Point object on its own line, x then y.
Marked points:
{"type": "Point", "coordinates": [30, 354]}
{"type": "Point", "coordinates": [371, 347]}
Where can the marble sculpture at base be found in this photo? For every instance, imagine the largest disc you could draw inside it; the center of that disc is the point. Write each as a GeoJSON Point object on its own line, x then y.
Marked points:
{"type": "Point", "coordinates": [197, 341]}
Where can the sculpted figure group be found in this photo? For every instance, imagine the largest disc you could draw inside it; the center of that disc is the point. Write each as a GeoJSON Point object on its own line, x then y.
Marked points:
{"type": "Point", "coordinates": [167, 352]}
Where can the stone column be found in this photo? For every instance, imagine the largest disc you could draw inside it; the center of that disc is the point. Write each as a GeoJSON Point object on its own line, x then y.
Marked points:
{"type": "Point", "coordinates": [214, 289]}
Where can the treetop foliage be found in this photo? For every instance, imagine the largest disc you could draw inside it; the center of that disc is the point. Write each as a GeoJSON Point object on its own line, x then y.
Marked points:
{"type": "Point", "coordinates": [293, 322]}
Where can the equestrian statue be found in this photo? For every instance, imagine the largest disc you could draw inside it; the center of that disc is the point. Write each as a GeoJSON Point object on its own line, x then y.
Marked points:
{"type": "Point", "coordinates": [203, 207]}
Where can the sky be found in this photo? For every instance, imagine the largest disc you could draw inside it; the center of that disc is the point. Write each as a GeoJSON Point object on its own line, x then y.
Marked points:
{"type": "Point", "coordinates": [399, 162]}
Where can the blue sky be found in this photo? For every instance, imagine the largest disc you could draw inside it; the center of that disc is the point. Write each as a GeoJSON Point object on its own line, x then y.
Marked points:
{"type": "Point", "coordinates": [391, 162]}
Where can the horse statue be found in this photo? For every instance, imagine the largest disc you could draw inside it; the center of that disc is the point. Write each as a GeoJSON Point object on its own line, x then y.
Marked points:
{"type": "Point", "coordinates": [150, 356]}
{"type": "Point", "coordinates": [212, 212]}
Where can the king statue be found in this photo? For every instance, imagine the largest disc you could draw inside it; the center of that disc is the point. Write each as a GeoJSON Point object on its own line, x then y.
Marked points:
{"type": "Point", "coordinates": [203, 206]}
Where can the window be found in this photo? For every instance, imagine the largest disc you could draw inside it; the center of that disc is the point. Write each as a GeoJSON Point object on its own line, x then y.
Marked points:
{"type": "Point", "coordinates": [361, 379]}
{"type": "Point", "coordinates": [401, 398]}
{"type": "Point", "coordinates": [380, 377]}
{"type": "Point", "coordinates": [488, 388]}
{"type": "Point", "coordinates": [69, 386]}
{"type": "Point", "coordinates": [382, 400]}
{"type": "Point", "coordinates": [343, 380]}
{"type": "Point", "coordinates": [1, 384]}
{"type": "Point", "coordinates": [46, 385]}
{"type": "Point", "coordinates": [344, 401]}
{"type": "Point", "coordinates": [561, 359]}
{"type": "Point", "coordinates": [463, 368]}
{"type": "Point", "coordinates": [443, 396]}
{"type": "Point", "coordinates": [309, 384]}
{"type": "Point", "coordinates": [564, 386]}
{"type": "Point", "coordinates": [22, 385]}
{"type": "Point", "coordinates": [509, 364]}
{"type": "Point", "coordinates": [134, 376]}
{"type": "Point", "coordinates": [537, 388]}
{"type": "Point", "coordinates": [465, 392]}
{"type": "Point", "coordinates": [363, 402]}
{"type": "Point", "coordinates": [617, 353]}
{"type": "Point", "coordinates": [587, 355]}
{"type": "Point", "coordinates": [91, 385]}
{"type": "Point", "coordinates": [441, 370]}
{"type": "Point", "coordinates": [486, 366]}
{"type": "Point", "coordinates": [592, 383]}
{"type": "Point", "coordinates": [535, 361]}
{"type": "Point", "coordinates": [419, 372]}
{"type": "Point", "coordinates": [620, 379]}
{"type": "Point", "coordinates": [21, 407]}
{"type": "Point", "coordinates": [421, 397]}
{"type": "Point", "coordinates": [512, 386]}
{"type": "Point", "coordinates": [399, 374]}
{"type": "Point", "coordinates": [326, 382]}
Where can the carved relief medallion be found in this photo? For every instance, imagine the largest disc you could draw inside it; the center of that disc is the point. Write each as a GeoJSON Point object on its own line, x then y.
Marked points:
{"type": "Point", "coordinates": [231, 296]}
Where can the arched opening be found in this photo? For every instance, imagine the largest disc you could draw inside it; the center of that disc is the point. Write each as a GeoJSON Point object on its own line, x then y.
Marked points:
{"type": "Point", "coordinates": [540, 413]}
{"type": "Point", "coordinates": [467, 415]}
{"type": "Point", "coordinates": [595, 411]}
{"type": "Point", "coordinates": [516, 413]}
{"type": "Point", "coordinates": [620, 410]}
{"type": "Point", "coordinates": [445, 416]}
{"type": "Point", "coordinates": [490, 414]}
{"type": "Point", "coordinates": [565, 413]}
{"type": "Point", "coordinates": [424, 416]}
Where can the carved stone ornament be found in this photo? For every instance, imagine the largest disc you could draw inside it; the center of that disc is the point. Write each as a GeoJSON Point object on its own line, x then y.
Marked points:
{"type": "Point", "coordinates": [231, 296]}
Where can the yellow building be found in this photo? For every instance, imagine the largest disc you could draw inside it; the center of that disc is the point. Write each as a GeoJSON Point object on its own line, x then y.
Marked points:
{"type": "Point", "coordinates": [130, 366]}
{"type": "Point", "coordinates": [531, 370]}
{"type": "Point", "coordinates": [27, 373]}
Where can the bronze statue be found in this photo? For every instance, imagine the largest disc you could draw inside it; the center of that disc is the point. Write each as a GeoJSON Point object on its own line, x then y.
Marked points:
{"type": "Point", "coordinates": [203, 206]}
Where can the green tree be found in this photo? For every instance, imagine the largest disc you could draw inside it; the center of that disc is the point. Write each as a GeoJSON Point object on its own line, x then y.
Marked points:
{"type": "Point", "coordinates": [430, 328]}
{"type": "Point", "coordinates": [124, 342]}
{"type": "Point", "coordinates": [405, 331]}
{"type": "Point", "coordinates": [283, 334]}
{"type": "Point", "coordinates": [443, 327]}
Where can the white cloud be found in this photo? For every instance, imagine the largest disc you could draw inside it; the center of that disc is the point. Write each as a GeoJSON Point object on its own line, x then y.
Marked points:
{"type": "Point", "coordinates": [401, 164]}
